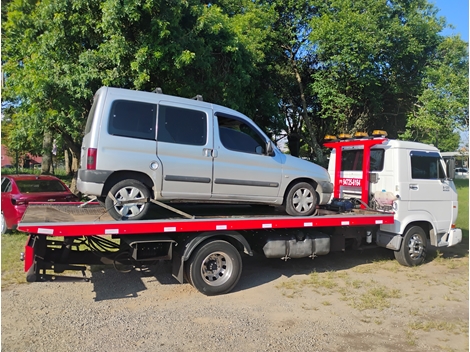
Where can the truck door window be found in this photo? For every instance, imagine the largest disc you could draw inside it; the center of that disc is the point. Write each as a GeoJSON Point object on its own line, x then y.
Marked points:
{"type": "Point", "coordinates": [238, 136]}
{"type": "Point", "coordinates": [352, 160]}
{"type": "Point", "coordinates": [132, 119]}
{"type": "Point", "coordinates": [426, 166]}
{"type": "Point", "coordinates": [181, 126]}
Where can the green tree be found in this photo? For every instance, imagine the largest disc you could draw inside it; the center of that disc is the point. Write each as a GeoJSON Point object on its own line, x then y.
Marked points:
{"type": "Point", "coordinates": [441, 110]}
{"type": "Point", "coordinates": [58, 53]}
{"type": "Point", "coordinates": [372, 56]}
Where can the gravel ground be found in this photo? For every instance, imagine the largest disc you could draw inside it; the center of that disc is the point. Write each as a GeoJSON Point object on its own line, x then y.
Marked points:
{"type": "Point", "coordinates": [273, 308]}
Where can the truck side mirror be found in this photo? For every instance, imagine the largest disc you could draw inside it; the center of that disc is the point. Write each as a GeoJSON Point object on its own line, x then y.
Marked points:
{"type": "Point", "coordinates": [450, 168]}
{"type": "Point", "coordinates": [269, 148]}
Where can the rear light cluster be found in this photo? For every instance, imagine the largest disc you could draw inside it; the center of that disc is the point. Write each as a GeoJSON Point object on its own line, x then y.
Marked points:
{"type": "Point", "coordinates": [18, 201]}
{"type": "Point", "coordinates": [91, 158]}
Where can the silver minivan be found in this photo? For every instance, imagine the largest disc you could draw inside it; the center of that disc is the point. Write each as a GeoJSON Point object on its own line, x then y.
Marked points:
{"type": "Point", "coordinates": [140, 146]}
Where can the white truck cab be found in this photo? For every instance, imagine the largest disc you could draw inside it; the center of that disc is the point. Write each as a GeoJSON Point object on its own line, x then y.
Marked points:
{"type": "Point", "coordinates": [406, 178]}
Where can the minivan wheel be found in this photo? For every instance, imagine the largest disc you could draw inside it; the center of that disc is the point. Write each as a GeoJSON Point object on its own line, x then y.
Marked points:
{"type": "Point", "coordinates": [124, 191]}
{"type": "Point", "coordinates": [301, 200]}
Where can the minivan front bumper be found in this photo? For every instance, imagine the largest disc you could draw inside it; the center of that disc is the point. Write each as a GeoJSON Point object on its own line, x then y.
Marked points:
{"type": "Point", "coordinates": [324, 190]}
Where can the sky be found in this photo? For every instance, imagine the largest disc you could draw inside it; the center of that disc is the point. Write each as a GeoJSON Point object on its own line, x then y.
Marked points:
{"type": "Point", "coordinates": [456, 13]}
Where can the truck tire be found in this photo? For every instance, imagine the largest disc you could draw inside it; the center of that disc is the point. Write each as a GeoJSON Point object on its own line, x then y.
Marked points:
{"type": "Point", "coordinates": [301, 200]}
{"type": "Point", "coordinates": [214, 267]}
{"type": "Point", "coordinates": [413, 247]}
{"type": "Point", "coordinates": [127, 190]}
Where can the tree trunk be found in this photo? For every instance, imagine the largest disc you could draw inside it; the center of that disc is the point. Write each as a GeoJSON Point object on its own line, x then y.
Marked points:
{"type": "Point", "coordinates": [293, 142]}
{"type": "Point", "coordinates": [310, 127]}
{"type": "Point", "coordinates": [46, 153]}
{"type": "Point", "coordinates": [67, 162]}
{"type": "Point", "coordinates": [75, 151]}
{"type": "Point", "coordinates": [74, 169]}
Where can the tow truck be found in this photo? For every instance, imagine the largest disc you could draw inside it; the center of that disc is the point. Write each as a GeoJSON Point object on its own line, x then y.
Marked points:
{"type": "Point", "coordinates": [387, 193]}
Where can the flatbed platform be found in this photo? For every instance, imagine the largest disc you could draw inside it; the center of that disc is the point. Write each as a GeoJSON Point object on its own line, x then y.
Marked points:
{"type": "Point", "coordinates": [92, 219]}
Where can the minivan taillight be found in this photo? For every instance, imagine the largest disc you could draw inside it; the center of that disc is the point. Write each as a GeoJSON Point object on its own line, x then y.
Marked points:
{"type": "Point", "coordinates": [91, 158]}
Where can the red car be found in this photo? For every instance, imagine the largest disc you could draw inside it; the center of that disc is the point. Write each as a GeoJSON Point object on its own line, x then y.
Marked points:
{"type": "Point", "coordinates": [19, 190]}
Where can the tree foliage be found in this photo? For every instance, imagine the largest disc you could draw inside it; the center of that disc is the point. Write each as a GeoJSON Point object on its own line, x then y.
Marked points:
{"type": "Point", "coordinates": [372, 57]}
{"type": "Point", "coordinates": [441, 109]}
{"type": "Point", "coordinates": [58, 53]}
{"type": "Point", "coordinates": [300, 68]}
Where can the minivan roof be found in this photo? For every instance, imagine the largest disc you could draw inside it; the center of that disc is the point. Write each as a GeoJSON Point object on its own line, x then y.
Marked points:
{"type": "Point", "coordinates": [136, 94]}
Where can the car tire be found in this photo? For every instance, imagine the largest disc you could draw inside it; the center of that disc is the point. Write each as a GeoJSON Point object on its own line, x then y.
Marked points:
{"type": "Point", "coordinates": [4, 225]}
{"type": "Point", "coordinates": [413, 247]}
{"type": "Point", "coordinates": [301, 200]}
{"type": "Point", "coordinates": [214, 267]}
{"type": "Point", "coordinates": [128, 190]}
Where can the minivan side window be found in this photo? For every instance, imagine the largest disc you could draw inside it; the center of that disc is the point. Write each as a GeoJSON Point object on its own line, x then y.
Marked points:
{"type": "Point", "coordinates": [352, 160]}
{"type": "Point", "coordinates": [132, 119]}
{"type": "Point", "coordinates": [238, 136]}
{"type": "Point", "coordinates": [426, 166]}
{"type": "Point", "coordinates": [181, 126]}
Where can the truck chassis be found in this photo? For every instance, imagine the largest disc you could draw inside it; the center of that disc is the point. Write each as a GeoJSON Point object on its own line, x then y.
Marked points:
{"type": "Point", "coordinates": [205, 250]}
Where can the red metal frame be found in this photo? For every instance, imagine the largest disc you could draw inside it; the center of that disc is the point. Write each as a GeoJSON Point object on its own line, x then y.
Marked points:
{"type": "Point", "coordinates": [199, 225]}
{"type": "Point", "coordinates": [363, 183]}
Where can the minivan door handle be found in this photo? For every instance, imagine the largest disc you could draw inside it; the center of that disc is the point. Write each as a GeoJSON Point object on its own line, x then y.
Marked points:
{"type": "Point", "coordinates": [207, 152]}
{"type": "Point", "coordinates": [414, 187]}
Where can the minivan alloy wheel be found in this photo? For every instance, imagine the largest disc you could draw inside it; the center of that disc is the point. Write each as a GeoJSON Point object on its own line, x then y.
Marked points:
{"type": "Point", "coordinates": [125, 191]}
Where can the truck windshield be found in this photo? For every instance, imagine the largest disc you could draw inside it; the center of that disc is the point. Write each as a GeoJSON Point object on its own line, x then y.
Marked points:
{"type": "Point", "coordinates": [352, 160]}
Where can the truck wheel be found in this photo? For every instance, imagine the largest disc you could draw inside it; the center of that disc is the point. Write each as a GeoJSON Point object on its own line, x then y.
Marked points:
{"type": "Point", "coordinates": [215, 267]}
{"type": "Point", "coordinates": [413, 247]}
{"type": "Point", "coordinates": [301, 200]}
{"type": "Point", "coordinates": [128, 190]}
{"type": "Point", "coordinates": [4, 225]}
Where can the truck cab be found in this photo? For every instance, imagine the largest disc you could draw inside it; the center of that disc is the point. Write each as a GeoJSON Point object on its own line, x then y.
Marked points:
{"type": "Point", "coordinates": [407, 178]}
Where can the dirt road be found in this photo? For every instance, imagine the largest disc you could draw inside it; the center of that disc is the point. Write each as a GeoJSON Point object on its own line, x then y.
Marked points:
{"type": "Point", "coordinates": [354, 301]}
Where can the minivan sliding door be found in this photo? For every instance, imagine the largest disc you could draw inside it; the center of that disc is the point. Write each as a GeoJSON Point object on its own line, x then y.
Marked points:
{"type": "Point", "coordinates": [184, 147]}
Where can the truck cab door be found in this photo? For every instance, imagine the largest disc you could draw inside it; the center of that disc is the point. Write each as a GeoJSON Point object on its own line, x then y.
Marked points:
{"type": "Point", "coordinates": [429, 189]}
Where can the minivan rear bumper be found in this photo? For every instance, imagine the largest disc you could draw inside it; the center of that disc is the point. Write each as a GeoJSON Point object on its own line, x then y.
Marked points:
{"type": "Point", "coordinates": [91, 182]}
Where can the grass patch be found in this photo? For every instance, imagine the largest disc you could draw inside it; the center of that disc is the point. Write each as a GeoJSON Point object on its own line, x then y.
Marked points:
{"type": "Point", "coordinates": [456, 328]}
{"type": "Point", "coordinates": [359, 294]}
{"type": "Point", "coordinates": [462, 217]}
{"type": "Point", "coordinates": [377, 297]}
{"type": "Point", "coordinates": [12, 268]}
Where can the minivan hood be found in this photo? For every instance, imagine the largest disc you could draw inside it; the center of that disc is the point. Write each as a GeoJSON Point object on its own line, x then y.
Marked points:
{"type": "Point", "coordinates": [296, 167]}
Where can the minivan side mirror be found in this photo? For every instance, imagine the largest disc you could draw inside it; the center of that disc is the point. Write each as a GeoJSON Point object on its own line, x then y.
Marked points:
{"type": "Point", "coordinates": [269, 148]}
{"type": "Point", "coordinates": [450, 168]}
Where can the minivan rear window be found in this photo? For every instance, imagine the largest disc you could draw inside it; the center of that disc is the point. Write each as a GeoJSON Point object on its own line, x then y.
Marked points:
{"type": "Point", "coordinates": [132, 119]}
{"type": "Point", "coordinates": [181, 126]}
{"type": "Point", "coordinates": [91, 114]}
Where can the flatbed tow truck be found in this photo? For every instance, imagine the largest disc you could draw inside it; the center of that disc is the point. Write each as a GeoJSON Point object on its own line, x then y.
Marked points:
{"type": "Point", "coordinates": [205, 244]}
